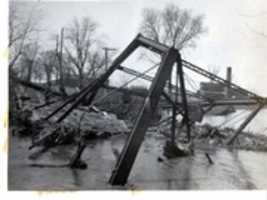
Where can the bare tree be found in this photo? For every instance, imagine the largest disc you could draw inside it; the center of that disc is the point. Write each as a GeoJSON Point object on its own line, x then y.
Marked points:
{"type": "Point", "coordinates": [59, 54]}
{"type": "Point", "coordinates": [49, 66]}
{"type": "Point", "coordinates": [48, 60]}
{"type": "Point", "coordinates": [172, 26]}
{"type": "Point", "coordinates": [82, 48]}
{"type": "Point", "coordinates": [22, 27]}
{"type": "Point", "coordinates": [28, 60]}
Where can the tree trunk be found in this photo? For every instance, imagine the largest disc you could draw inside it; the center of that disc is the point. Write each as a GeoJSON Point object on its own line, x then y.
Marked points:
{"type": "Point", "coordinates": [29, 73]}
{"type": "Point", "coordinates": [81, 79]}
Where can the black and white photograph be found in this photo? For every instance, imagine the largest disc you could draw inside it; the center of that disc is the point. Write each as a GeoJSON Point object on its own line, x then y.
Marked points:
{"type": "Point", "coordinates": [137, 95]}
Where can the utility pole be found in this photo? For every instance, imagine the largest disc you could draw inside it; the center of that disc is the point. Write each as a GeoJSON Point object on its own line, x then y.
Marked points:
{"type": "Point", "coordinates": [107, 49]}
{"type": "Point", "coordinates": [60, 60]}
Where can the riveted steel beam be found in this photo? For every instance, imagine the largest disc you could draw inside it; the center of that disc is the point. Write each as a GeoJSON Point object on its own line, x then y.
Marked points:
{"type": "Point", "coordinates": [125, 162]}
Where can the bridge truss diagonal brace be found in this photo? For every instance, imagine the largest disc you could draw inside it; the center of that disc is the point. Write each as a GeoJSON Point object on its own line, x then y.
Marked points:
{"type": "Point", "coordinates": [92, 88]}
{"type": "Point", "coordinates": [222, 81]}
{"type": "Point", "coordinates": [245, 123]}
{"type": "Point", "coordinates": [125, 162]}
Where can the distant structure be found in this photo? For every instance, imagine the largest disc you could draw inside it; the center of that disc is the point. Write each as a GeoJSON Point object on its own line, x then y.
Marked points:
{"type": "Point", "coordinates": [214, 90]}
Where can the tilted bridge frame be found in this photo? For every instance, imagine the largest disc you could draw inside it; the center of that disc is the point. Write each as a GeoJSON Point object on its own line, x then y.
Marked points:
{"type": "Point", "coordinates": [169, 57]}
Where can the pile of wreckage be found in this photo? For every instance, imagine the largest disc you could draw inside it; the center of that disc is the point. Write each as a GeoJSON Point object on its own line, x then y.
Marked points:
{"type": "Point", "coordinates": [91, 123]}
{"type": "Point", "coordinates": [29, 107]}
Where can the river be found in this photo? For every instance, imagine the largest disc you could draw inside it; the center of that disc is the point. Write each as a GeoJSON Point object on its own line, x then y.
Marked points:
{"type": "Point", "coordinates": [231, 169]}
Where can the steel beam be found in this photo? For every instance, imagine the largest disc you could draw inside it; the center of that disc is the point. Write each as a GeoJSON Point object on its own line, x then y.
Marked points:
{"type": "Point", "coordinates": [173, 125]}
{"type": "Point", "coordinates": [150, 78]}
{"type": "Point", "coordinates": [244, 124]}
{"type": "Point", "coordinates": [65, 103]}
{"type": "Point", "coordinates": [125, 162]}
{"type": "Point", "coordinates": [135, 73]}
{"type": "Point", "coordinates": [235, 102]}
{"type": "Point", "coordinates": [222, 81]}
{"type": "Point", "coordinates": [174, 107]}
{"type": "Point", "coordinates": [93, 87]}
{"type": "Point", "coordinates": [183, 96]}
{"type": "Point", "coordinates": [152, 45]}
{"type": "Point", "coordinates": [131, 92]}
{"type": "Point", "coordinates": [76, 103]}
{"type": "Point", "coordinates": [214, 103]}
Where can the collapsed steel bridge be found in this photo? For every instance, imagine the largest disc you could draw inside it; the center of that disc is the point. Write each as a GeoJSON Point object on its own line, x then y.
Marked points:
{"type": "Point", "coordinates": [170, 60]}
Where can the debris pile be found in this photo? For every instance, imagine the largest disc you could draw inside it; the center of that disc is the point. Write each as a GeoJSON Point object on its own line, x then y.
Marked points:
{"type": "Point", "coordinates": [171, 150]}
{"type": "Point", "coordinates": [207, 135]}
{"type": "Point", "coordinates": [28, 120]}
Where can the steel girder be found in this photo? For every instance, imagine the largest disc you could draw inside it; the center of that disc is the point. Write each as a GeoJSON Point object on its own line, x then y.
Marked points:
{"type": "Point", "coordinates": [125, 162]}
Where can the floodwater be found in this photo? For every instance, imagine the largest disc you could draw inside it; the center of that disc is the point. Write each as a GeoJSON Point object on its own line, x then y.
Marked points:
{"type": "Point", "coordinates": [231, 169]}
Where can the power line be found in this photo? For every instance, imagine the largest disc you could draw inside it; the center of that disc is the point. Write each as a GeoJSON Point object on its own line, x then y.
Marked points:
{"type": "Point", "coordinates": [107, 49]}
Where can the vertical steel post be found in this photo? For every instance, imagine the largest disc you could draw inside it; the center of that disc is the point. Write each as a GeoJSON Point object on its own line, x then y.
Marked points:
{"type": "Point", "coordinates": [174, 107]}
{"type": "Point", "coordinates": [173, 125]}
{"type": "Point", "coordinates": [107, 49]}
{"type": "Point", "coordinates": [125, 162]}
{"type": "Point", "coordinates": [183, 96]}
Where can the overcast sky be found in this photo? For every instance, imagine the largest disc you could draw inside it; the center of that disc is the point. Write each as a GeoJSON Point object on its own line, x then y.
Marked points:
{"type": "Point", "coordinates": [231, 39]}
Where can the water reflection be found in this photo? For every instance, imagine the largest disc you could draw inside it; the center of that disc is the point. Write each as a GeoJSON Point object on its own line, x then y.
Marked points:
{"type": "Point", "coordinates": [77, 180]}
{"type": "Point", "coordinates": [243, 172]}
